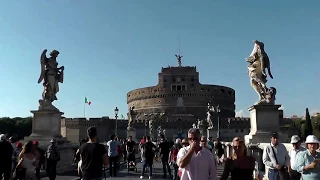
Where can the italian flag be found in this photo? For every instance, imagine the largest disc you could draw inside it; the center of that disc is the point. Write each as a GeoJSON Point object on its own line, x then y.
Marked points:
{"type": "Point", "coordinates": [87, 101]}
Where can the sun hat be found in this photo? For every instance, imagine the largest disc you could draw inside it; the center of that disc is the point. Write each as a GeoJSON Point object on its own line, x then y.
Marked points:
{"type": "Point", "coordinates": [312, 139]}
{"type": "Point", "coordinates": [295, 139]}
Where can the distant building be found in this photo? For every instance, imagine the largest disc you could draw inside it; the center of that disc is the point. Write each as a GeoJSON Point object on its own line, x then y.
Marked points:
{"type": "Point", "coordinates": [175, 103]}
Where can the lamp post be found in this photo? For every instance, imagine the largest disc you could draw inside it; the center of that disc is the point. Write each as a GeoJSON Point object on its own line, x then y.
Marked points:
{"type": "Point", "coordinates": [116, 111]}
{"type": "Point", "coordinates": [217, 110]}
{"type": "Point", "coordinates": [146, 126]}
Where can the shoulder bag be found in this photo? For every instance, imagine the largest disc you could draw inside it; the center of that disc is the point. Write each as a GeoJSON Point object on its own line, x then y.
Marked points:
{"type": "Point", "coordinates": [283, 171]}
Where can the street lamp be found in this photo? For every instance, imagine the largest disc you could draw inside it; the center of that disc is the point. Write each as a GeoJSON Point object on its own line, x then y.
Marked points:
{"type": "Point", "coordinates": [217, 110]}
{"type": "Point", "coordinates": [116, 111]}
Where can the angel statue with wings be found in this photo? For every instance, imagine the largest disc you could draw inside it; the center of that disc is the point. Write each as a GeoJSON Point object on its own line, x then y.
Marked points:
{"type": "Point", "coordinates": [51, 75]}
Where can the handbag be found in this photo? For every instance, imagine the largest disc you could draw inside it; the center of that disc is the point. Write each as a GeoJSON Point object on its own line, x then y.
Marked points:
{"type": "Point", "coordinates": [283, 171]}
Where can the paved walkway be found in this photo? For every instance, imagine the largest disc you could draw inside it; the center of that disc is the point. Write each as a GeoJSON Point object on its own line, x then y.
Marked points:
{"type": "Point", "coordinates": [123, 174]}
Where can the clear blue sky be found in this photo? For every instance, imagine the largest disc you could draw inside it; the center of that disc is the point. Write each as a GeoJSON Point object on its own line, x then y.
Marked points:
{"type": "Point", "coordinates": [109, 47]}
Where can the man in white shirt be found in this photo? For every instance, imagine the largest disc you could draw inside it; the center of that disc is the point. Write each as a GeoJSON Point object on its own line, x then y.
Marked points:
{"type": "Point", "coordinates": [296, 143]}
{"type": "Point", "coordinates": [195, 162]}
{"type": "Point", "coordinates": [275, 156]}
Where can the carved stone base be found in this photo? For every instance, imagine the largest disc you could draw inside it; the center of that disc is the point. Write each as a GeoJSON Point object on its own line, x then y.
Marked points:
{"type": "Point", "coordinates": [264, 119]}
{"type": "Point", "coordinates": [132, 132]}
{"type": "Point", "coordinates": [46, 125]}
{"type": "Point", "coordinates": [45, 105]}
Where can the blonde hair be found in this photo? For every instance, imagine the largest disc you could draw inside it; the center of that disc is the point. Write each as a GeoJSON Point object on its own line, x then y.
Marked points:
{"type": "Point", "coordinates": [241, 143]}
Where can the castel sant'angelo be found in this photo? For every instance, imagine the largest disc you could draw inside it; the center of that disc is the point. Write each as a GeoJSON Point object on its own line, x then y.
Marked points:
{"type": "Point", "coordinates": [175, 103]}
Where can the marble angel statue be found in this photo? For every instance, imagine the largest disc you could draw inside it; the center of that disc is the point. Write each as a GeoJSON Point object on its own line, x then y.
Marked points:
{"type": "Point", "coordinates": [51, 75]}
{"type": "Point", "coordinates": [259, 62]}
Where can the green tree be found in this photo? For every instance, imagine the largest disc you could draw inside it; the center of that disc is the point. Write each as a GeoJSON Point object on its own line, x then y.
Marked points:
{"type": "Point", "coordinates": [17, 127]}
{"type": "Point", "coordinates": [308, 130]}
{"type": "Point", "coordinates": [316, 126]}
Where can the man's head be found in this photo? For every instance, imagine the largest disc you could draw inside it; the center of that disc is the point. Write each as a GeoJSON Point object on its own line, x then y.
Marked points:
{"type": "Point", "coordinates": [130, 138]}
{"type": "Point", "coordinates": [194, 135]}
{"type": "Point", "coordinates": [148, 138]}
{"type": "Point", "coordinates": [92, 134]}
{"type": "Point", "coordinates": [203, 141]}
{"type": "Point", "coordinates": [52, 141]}
{"type": "Point", "coordinates": [3, 137]}
{"type": "Point", "coordinates": [295, 141]}
{"type": "Point", "coordinates": [112, 137]}
{"type": "Point", "coordinates": [185, 142]}
{"type": "Point", "coordinates": [274, 138]}
{"type": "Point", "coordinates": [12, 140]}
{"type": "Point", "coordinates": [162, 138]}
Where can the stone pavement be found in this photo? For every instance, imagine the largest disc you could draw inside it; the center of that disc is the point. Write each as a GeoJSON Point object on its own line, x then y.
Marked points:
{"type": "Point", "coordinates": [124, 175]}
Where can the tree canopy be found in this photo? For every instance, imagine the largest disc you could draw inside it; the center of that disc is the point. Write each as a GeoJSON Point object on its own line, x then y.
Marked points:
{"type": "Point", "coordinates": [18, 127]}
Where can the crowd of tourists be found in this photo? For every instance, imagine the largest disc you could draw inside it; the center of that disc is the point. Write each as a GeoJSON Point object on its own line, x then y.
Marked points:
{"type": "Point", "coordinates": [24, 162]}
{"type": "Point", "coordinates": [299, 163]}
{"type": "Point", "coordinates": [194, 158]}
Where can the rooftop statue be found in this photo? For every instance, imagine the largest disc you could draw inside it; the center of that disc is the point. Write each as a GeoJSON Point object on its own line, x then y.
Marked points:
{"type": "Point", "coordinates": [179, 58]}
{"type": "Point", "coordinates": [258, 63]}
{"type": "Point", "coordinates": [51, 75]}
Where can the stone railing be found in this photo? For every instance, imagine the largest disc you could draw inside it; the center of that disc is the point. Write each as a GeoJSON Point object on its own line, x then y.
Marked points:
{"type": "Point", "coordinates": [255, 150]}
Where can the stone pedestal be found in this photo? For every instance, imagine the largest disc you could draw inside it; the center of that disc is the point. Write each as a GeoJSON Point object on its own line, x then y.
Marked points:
{"type": "Point", "coordinates": [132, 132]}
{"type": "Point", "coordinates": [212, 133]}
{"type": "Point", "coordinates": [46, 125]}
{"type": "Point", "coordinates": [264, 119]}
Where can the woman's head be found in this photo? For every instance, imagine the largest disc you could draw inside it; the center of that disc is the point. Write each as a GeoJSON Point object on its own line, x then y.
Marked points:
{"type": "Point", "coordinates": [203, 141]}
{"type": "Point", "coordinates": [28, 147]}
{"type": "Point", "coordinates": [312, 143]}
{"type": "Point", "coordinates": [239, 148]}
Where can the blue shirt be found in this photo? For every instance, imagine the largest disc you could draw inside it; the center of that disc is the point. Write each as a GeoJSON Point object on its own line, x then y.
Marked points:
{"type": "Point", "coordinates": [112, 150]}
{"type": "Point", "coordinates": [305, 158]}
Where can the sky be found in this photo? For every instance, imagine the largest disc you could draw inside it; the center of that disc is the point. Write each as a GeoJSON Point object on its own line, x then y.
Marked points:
{"type": "Point", "coordinates": [109, 47]}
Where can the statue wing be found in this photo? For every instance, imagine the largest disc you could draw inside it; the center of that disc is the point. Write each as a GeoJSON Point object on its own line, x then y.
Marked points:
{"type": "Point", "coordinates": [43, 60]}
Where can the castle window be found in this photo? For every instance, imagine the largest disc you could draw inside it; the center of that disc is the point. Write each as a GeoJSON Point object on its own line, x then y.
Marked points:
{"type": "Point", "coordinates": [178, 87]}
{"type": "Point", "coordinates": [222, 90]}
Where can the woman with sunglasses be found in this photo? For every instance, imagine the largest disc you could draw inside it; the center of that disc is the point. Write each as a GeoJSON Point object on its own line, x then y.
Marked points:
{"type": "Point", "coordinates": [240, 165]}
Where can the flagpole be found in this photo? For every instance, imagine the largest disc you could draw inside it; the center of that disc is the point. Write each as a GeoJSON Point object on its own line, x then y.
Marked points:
{"type": "Point", "coordinates": [84, 110]}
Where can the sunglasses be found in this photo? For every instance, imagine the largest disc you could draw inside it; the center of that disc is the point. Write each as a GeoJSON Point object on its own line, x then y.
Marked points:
{"type": "Point", "coordinates": [203, 141]}
{"type": "Point", "coordinates": [193, 139]}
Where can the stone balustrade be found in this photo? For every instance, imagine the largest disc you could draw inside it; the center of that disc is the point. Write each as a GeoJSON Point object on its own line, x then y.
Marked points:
{"type": "Point", "coordinates": [255, 150]}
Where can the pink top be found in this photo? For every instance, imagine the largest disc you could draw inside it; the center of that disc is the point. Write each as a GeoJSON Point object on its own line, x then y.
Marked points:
{"type": "Point", "coordinates": [201, 167]}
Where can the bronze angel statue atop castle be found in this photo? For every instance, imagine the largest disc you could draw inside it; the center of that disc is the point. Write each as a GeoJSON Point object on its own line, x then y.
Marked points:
{"type": "Point", "coordinates": [51, 75]}
{"type": "Point", "coordinates": [258, 64]}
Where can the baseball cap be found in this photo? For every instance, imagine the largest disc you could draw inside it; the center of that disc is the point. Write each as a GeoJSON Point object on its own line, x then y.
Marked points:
{"type": "Point", "coordinates": [274, 135]}
{"type": "Point", "coordinates": [294, 139]}
{"type": "Point", "coordinates": [35, 143]}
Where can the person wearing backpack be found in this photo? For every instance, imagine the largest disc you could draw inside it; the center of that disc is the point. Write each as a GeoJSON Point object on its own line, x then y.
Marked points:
{"type": "Point", "coordinates": [52, 156]}
{"type": "Point", "coordinates": [148, 149]}
{"type": "Point", "coordinates": [173, 157]}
